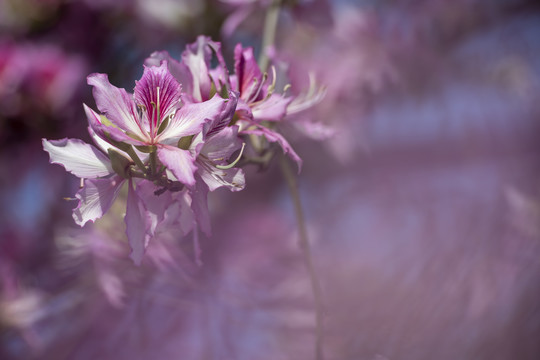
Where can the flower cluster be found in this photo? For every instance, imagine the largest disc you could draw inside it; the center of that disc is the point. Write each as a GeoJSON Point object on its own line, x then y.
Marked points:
{"type": "Point", "coordinates": [181, 134]}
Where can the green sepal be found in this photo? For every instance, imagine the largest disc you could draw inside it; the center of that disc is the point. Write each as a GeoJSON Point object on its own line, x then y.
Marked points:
{"type": "Point", "coordinates": [107, 122]}
{"type": "Point", "coordinates": [146, 148]}
{"type": "Point", "coordinates": [234, 119]}
{"type": "Point", "coordinates": [213, 90]}
{"type": "Point", "coordinates": [119, 163]}
{"type": "Point", "coordinates": [120, 145]}
{"type": "Point", "coordinates": [185, 142]}
{"type": "Point", "coordinates": [133, 136]}
{"type": "Point", "coordinates": [164, 124]}
{"type": "Point", "coordinates": [224, 92]}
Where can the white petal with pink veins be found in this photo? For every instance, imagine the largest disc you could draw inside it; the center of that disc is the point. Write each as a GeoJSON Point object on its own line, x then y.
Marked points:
{"type": "Point", "coordinates": [190, 119]}
{"type": "Point", "coordinates": [117, 105]}
{"type": "Point", "coordinates": [95, 198]}
{"type": "Point", "coordinates": [79, 158]}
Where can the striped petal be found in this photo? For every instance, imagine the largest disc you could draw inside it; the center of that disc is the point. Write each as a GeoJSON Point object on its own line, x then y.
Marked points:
{"type": "Point", "coordinates": [79, 158]}
{"type": "Point", "coordinates": [190, 119]}
{"type": "Point", "coordinates": [117, 105]}
{"type": "Point", "coordinates": [95, 198]}
{"type": "Point", "coordinates": [159, 93]}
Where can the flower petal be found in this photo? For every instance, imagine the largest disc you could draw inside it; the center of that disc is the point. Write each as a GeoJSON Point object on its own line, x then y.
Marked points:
{"type": "Point", "coordinates": [155, 205]}
{"type": "Point", "coordinates": [248, 73]}
{"type": "Point", "coordinates": [197, 58]}
{"type": "Point", "coordinates": [179, 162]}
{"type": "Point", "coordinates": [95, 198]}
{"type": "Point", "coordinates": [167, 97]}
{"type": "Point", "coordinates": [135, 226]}
{"type": "Point", "coordinates": [244, 111]}
{"type": "Point", "coordinates": [107, 132]}
{"type": "Point", "coordinates": [177, 69]}
{"type": "Point", "coordinates": [273, 136]}
{"type": "Point", "coordinates": [314, 95]}
{"type": "Point", "coordinates": [79, 158]}
{"type": "Point", "coordinates": [185, 218]}
{"type": "Point", "coordinates": [233, 178]}
{"type": "Point", "coordinates": [116, 104]}
{"type": "Point", "coordinates": [224, 118]}
{"type": "Point", "coordinates": [273, 109]}
{"type": "Point", "coordinates": [199, 205]}
{"type": "Point", "coordinates": [313, 130]}
{"type": "Point", "coordinates": [190, 119]}
{"type": "Point", "coordinates": [220, 147]}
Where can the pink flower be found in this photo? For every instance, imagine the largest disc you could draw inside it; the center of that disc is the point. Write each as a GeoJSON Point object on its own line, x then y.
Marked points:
{"type": "Point", "coordinates": [258, 100]}
{"type": "Point", "coordinates": [143, 139]}
{"type": "Point", "coordinates": [153, 118]}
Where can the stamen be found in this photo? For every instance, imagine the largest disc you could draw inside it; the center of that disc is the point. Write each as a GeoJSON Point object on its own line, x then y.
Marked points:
{"type": "Point", "coordinates": [286, 87]}
{"type": "Point", "coordinates": [270, 89]}
{"type": "Point", "coordinates": [312, 85]}
{"type": "Point", "coordinates": [231, 165]}
{"type": "Point", "coordinates": [151, 120]}
{"type": "Point", "coordinates": [274, 76]}
{"type": "Point", "coordinates": [81, 185]}
{"type": "Point", "coordinates": [251, 90]}
{"type": "Point", "coordinates": [254, 97]}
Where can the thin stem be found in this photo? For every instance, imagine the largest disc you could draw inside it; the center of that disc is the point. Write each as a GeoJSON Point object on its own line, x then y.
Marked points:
{"type": "Point", "coordinates": [290, 178]}
{"type": "Point", "coordinates": [269, 34]}
{"type": "Point", "coordinates": [153, 161]}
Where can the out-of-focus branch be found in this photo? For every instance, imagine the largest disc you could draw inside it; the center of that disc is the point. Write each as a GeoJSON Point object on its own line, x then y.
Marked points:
{"type": "Point", "coordinates": [290, 178]}
{"type": "Point", "coordinates": [269, 33]}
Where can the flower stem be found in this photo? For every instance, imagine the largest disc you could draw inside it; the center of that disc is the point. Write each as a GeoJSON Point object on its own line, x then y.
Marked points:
{"type": "Point", "coordinates": [153, 160]}
{"type": "Point", "coordinates": [290, 178]}
{"type": "Point", "coordinates": [269, 34]}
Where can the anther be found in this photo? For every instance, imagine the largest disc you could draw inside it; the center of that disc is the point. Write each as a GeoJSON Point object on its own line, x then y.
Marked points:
{"type": "Point", "coordinates": [286, 87]}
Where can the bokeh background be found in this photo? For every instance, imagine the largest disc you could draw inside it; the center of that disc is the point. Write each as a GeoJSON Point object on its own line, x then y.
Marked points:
{"type": "Point", "coordinates": [423, 207]}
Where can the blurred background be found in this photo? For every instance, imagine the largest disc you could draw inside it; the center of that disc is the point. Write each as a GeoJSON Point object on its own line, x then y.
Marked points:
{"type": "Point", "coordinates": [423, 207]}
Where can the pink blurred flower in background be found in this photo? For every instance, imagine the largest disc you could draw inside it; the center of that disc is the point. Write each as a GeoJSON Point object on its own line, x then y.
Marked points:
{"type": "Point", "coordinates": [361, 67]}
{"type": "Point", "coordinates": [37, 79]}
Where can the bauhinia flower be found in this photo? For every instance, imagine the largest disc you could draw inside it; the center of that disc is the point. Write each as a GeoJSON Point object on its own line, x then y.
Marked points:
{"type": "Point", "coordinates": [154, 120]}
{"type": "Point", "coordinates": [260, 107]}
{"type": "Point", "coordinates": [144, 139]}
{"type": "Point", "coordinates": [180, 135]}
